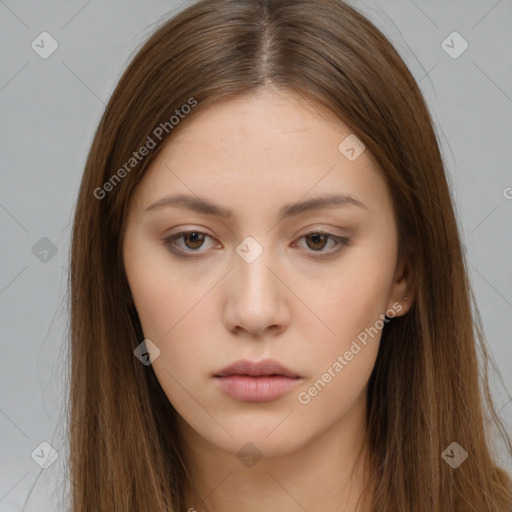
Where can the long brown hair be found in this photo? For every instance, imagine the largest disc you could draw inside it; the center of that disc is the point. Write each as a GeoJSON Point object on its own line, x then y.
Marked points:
{"type": "Point", "coordinates": [425, 391]}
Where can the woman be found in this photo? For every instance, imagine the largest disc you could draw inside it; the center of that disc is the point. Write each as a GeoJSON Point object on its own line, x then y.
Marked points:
{"type": "Point", "coordinates": [266, 257]}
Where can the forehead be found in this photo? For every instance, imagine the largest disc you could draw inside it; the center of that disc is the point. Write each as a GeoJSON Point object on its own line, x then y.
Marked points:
{"type": "Point", "coordinates": [266, 148]}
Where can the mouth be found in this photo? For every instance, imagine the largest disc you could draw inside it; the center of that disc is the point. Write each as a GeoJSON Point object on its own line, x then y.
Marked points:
{"type": "Point", "coordinates": [262, 381]}
{"type": "Point", "coordinates": [265, 368]}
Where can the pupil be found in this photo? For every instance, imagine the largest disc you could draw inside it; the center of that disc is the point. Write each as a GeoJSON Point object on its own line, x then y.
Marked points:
{"type": "Point", "coordinates": [317, 238]}
{"type": "Point", "coordinates": [196, 240]}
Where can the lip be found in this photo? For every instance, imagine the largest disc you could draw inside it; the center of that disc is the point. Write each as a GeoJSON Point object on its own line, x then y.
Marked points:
{"type": "Point", "coordinates": [256, 369]}
{"type": "Point", "coordinates": [260, 381]}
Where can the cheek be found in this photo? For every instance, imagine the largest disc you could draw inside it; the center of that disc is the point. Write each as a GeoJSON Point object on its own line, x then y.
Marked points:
{"type": "Point", "coordinates": [353, 297]}
{"type": "Point", "coordinates": [174, 309]}
{"type": "Point", "coordinates": [352, 308]}
{"type": "Point", "coordinates": [175, 318]}
{"type": "Point", "coordinates": [347, 357]}
{"type": "Point", "coordinates": [351, 304]}
{"type": "Point", "coordinates": [338, 392]}
{"type": "Point", "coordinates": [155, 302]}
{"type": "Point", "coordinates": [162, 295]}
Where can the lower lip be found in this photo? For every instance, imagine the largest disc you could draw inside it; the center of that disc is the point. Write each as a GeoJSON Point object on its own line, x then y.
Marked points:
{"type": "Point", "coordinates": [256, 389]}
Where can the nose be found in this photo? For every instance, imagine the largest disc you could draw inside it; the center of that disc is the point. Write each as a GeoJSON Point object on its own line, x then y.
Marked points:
{"type": "Point", "coordinates": [256, 300]}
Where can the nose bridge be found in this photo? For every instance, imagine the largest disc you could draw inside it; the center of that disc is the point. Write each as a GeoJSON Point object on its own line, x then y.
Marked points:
{"type": "Point", "coordinates": [254, 279]}
{"type": "Point", "coordinates": [255, 297]}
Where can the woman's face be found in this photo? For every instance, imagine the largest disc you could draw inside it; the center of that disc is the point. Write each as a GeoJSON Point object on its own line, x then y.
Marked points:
{"type": "Point", "coordinates": [256, 279]}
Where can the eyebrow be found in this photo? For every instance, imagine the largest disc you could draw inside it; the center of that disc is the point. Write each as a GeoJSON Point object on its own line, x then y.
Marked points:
{"type": "Point", "coordinates": [205, 206]}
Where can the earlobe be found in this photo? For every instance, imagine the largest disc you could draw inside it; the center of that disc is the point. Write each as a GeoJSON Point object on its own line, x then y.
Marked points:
{"type": "Point", "coordinates": [403, 293]}
{"type": "Point", "coordinates": [399, 307]}
{"type": "Point", "coordinates": [405, 306]}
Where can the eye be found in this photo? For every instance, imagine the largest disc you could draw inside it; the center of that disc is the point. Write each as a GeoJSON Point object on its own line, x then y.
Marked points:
{"type": "Point", "coordinates": [192, 240]}
{"type": "Point", "coordinates": [317, 241]}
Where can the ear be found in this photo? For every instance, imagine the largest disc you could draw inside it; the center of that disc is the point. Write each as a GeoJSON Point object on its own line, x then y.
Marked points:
{"type": "Point", "coordinates": [403, 290]}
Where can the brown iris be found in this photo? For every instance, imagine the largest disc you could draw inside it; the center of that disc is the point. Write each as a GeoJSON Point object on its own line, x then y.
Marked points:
{"type": "Point", "coordinates": [196, 239]}
{"type": "Point", "coordinates": [317, 238]}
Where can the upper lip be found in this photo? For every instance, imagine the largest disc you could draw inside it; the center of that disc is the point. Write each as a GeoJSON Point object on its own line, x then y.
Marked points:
{"type": "Point", "coordinates": [252, 368]}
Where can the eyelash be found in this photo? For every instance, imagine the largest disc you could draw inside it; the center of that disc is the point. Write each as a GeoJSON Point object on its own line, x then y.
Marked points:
{"type": "Point", "coordinates": [320, 254]}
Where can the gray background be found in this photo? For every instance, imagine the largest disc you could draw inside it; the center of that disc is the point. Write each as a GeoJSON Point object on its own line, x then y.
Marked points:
{"type": "Point", "coordinates": [51, 107]}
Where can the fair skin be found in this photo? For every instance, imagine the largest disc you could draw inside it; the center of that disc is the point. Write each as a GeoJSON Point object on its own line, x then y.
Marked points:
{"type": "Point", "coordinates": [253, 155]}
